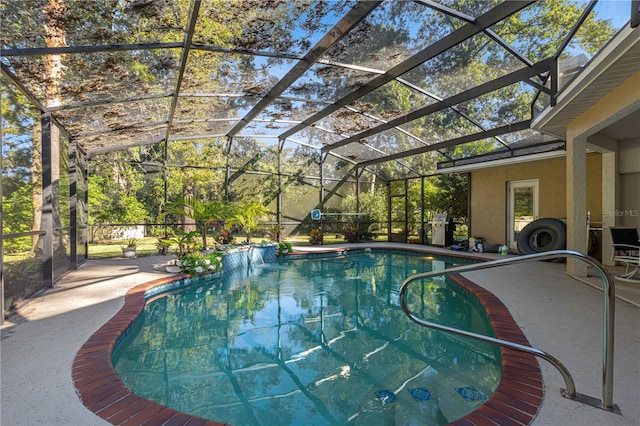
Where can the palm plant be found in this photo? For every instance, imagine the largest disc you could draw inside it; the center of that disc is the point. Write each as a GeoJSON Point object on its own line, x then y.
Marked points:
{"type": "Point", "coordinates": [246, 215]}
{"type": "Point", "coordinates": [203, 213]}
{"type": "Point", "coordinates": [184, 242]}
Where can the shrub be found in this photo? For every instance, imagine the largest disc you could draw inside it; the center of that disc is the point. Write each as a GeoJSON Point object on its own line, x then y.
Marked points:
{"type": "Point", "coordinates": [17, 245]}
{"type": "Point", "coordinates": [20, 270]}
{"type": "Point", "coordinates": [163, 244]}
{"type": "Point", "coordinates": [358, 228]}
{"type": "Point", "coordinates": [224, 237]}
{"type": "Point", "coordinates": [284, 247]}
{"type": "Point", "coordinates": [367, 236]}
{"type": "Point", "coordinates": [185, 242]}
{"type": "Point", "coordinates": [354, 234]}
{"type": "Point", "coordinates": [196, 263]}
{"type": "Point", "coordinates": [275, 233]}
{"type": "Point", "coordinates": [315, 236]}
{"type": "Point", "coordinates": [131, 243]}
{"type": "Point", "coordinates": [350, 234]}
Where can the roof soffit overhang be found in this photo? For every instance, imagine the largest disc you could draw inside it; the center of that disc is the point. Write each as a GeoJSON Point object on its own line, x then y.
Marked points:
{"type": "Point", "coordinates": [613, 65]}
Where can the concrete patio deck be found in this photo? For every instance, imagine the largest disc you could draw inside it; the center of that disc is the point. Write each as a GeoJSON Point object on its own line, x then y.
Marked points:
{"type": "Point", "coordinates": [558, 314]}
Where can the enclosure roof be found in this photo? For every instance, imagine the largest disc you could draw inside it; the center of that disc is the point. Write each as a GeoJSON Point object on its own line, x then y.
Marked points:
{"type": "Point", "coordinates": [370, 82]}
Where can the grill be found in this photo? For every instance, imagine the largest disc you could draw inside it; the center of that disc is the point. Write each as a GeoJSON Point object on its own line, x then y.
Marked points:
{"type": "Point", "coordinates": [439, 229]}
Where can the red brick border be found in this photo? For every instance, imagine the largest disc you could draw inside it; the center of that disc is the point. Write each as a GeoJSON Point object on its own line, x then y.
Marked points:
{"type": "Point", "coordinates": [518, 397]}
{"type": "Point", "coordinates": [516, 401]}
{"type": "Point", "coordinates": [99, 386]}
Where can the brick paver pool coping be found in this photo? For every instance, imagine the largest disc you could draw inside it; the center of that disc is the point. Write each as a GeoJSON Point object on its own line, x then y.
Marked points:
{"type": "Point", "coordinates": [516, 401]}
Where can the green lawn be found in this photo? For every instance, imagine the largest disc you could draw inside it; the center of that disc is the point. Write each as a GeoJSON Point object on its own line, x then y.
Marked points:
{"type": "Point", "coordinates": [147, 246]}
{"type": "Point", "coordinates": [105, 249]}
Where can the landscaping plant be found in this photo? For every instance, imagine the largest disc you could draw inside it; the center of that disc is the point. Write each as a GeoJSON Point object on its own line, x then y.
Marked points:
{"type": "Point", "coordinates": [315, 236]}
{"type": "Point", "coordinates": [284, 247]}
{"type": "Point", "coordinates": [185, 242]}
{"type": "Point", "coordinates": [204, 213]}
{"type": "Point", "coordinates": [198, 263]}
{"type": "Point", "coordinates": [246, 215]}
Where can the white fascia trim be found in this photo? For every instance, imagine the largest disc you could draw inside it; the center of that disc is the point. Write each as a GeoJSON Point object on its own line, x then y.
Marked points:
{"type": "Point", "coordinates": [503, 162]}
{"type": "Point", "coordinates": [619, 45]}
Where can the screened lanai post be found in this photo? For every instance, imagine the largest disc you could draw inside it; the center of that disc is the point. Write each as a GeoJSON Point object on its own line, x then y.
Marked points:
{"type": "Point", "coordinates": [85, 203]}
{"type": "Point", "coordinates": [341, 182]}
{"type": "Point", "coordinates": [1, 242]}
{"type": "Point", "coordinates": [553, 72]}
{"type": "Point", "coordinates": [46, 224]}
{"type": "Point", "coordinates": [227, 193]}
{"type": "Point", "coordinates": [358, 173]}
{"type": "Point", "coordinates": [468, 206]}
{"type": "Point", "coordinates": [423, 233]}
{"type": "Point", "coordinates": [610, 185]}
{"type": "Point", "coordinates": [389, 227]}
{"type": "Point", "coordinates": [165, 184]}
{"type": "Point", "coordinates": [278, 232]}
{"type": "Point", "coordinates": [406, 210]}
{"type": "Point", "coordinates": [73, 204]}
{"type": "Point", "coordinates": [323, 157]}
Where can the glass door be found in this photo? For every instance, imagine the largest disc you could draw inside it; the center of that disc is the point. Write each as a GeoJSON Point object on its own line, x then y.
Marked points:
{"type": "Point", "coordinates": [522, 208]}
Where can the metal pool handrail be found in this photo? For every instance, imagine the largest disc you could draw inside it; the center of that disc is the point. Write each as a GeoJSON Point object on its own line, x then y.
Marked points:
{"type": "Point", "coordinates": [609, 314]}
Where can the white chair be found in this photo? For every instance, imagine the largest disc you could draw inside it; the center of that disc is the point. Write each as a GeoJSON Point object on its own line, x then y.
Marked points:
{"type": "Point", "coordinates": [626, 249]}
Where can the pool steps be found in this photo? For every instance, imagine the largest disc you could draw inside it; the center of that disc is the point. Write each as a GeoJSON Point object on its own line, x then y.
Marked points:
{"type": "Point", "coordinates": [606, 403]}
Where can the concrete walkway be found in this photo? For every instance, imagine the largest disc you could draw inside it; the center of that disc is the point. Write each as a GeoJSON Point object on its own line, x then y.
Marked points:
{"type": "Point", "coordinates": [558, 314]}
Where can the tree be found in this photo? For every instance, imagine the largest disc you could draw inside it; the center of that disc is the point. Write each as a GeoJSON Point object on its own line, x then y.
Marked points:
{"type": "Point", "coordinates": [246, 215]}
{"type": "Point", "coordinates": [373, 203]}
{"type": "Point", "coordinates": [21, 168]}
{"type": "Point", "coordinates": [447, 193]}
{"type": "Point", "coordinates": [203, 213]}
{"type": "Point", "coordinates": [109, 204]}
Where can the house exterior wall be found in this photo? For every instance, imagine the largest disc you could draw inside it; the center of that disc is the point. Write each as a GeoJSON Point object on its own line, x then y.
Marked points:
{"type": "Point", "coordinates": [489, 194]}
{"type": "Point", "coordinates": [628, 209]}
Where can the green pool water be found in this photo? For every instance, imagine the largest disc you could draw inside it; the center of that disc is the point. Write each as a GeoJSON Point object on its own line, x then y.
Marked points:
{"type": "Point", "coordinates": [313, 341]}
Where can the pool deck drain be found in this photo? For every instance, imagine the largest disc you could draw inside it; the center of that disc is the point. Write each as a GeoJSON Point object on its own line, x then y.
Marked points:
{"type": "Point", "coordinates": [34, 390]}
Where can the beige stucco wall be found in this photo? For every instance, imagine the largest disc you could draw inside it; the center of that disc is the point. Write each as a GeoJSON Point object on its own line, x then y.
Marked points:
{"type": "Point", "coordinates": [489, 194]}
{"type": "Point", "coordinates": [628, 208]}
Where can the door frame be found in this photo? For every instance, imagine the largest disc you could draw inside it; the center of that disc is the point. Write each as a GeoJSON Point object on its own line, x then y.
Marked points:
{"type": "Point", "coordinates": [511, 186]}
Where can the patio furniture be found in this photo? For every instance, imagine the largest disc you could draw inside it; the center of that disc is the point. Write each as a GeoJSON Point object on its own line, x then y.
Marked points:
{"type": "Point", "coordinates": [626, 249]}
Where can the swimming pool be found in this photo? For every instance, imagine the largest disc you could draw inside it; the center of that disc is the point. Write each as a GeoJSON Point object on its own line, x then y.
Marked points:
{"type": "Point", "coordinates": [313, 341]}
